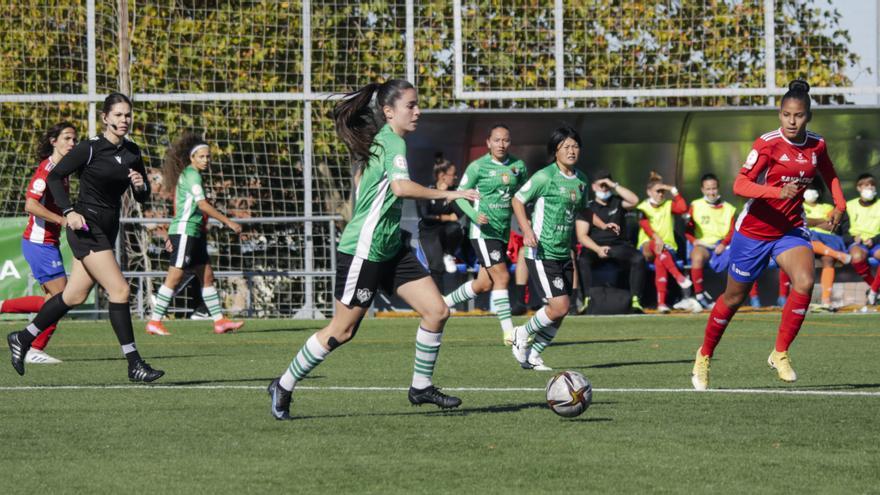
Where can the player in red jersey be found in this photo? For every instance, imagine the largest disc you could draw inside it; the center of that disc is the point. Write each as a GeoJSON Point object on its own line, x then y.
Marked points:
{"type": "Point", "coordinates": [781, 164]}
{"type": "Point", "coordinates": [41, 238]}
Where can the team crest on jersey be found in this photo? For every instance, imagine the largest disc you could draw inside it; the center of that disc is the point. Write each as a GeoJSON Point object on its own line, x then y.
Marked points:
{"type": "Point", "coordinates": [495, 255]}
{"type": "Point", "coordinates": [558, 283]}
{"type": "Point", "coordinates": [751, 160]}
{"type": "Point", "coordinates": [364, 295]}
{"type": "Point", "coordinates": [573, 195]}
{"type": "Point", "coordinates": [118, 159]}
{"type": "Point", "coordinates": [39, 186]}
{"type": "Point", "coordinates": [505, 179]}
{"type": "Point", "coordinates": [400, 162]}
{"type": "Point", "coordinates": [801, 158]}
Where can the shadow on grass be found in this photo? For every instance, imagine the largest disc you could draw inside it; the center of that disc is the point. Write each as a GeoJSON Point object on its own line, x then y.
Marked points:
{"type": "Point", "coordinates": [180, 356]}
{"type": "Point", "coordinates": [587, 342]}
{"type": "Point", "coordinates": [257, 381]}
{"type": "Point", "coordinates": [623, 364]}
{"type": "Point", "coordinates": [496, 409]}
{"type": "Point", "coordinates": [819, 388]}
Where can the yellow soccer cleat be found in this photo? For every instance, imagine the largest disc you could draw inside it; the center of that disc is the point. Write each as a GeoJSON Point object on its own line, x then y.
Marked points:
{"type": "Point", "coordinates": [507, 335]}
{"type": "Point", "coordinates": [700, 377]}
{"type": "Point", "coordinates": [782, 364]}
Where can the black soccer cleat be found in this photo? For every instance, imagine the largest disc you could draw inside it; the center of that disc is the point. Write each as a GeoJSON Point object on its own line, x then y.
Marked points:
{"type": "Point", "coordinates": [18, 351]}
{"type": "Point", "coordinates": [432, 395]}
{"type": "Point", "coordinates": [142, 372]}
{"type": "Point", "coordinates": [280, 400]}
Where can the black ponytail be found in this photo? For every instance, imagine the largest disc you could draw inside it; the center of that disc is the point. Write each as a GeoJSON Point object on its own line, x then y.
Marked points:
{"type": "Point", "coordinates": [45, 147]}
{"type": "Point", "coordinates": [358, 120]}
{"type": "Point", "coordinates": [799, 90]}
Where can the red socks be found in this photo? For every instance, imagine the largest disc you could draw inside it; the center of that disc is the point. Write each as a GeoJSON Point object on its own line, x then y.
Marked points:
{"type": "Point", "coordinates": [669, 263]}
{"type": "Point", "coordinates": [793, 315]}
{"type": "Point", "coordinates": [27, 304]}
{"type": "Point", "coordinates": [719, 318]}
{"type": "Point", "coordinates": [784, 284]}
{"type": "Point", "coordinates": [660, 281]}
{"type": "Point", "coordinates": [697, 279]}
{"type": "Point", "coordinates": [864, 271]}
{"type": "Point", "coordinates": [43, 339]}
{"type": "Point", "coordinates": [875, 286]}
{"type": "Point", "coordinates": [754, 291]}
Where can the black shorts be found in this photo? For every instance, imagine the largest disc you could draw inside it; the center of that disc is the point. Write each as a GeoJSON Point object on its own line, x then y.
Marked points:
{"type": "Point", "coordinates": [358, 279]}
{"type": "Point", "coordinates": [103, 228]}
{"type": "Point", "coordinates": [490, 251]}
{"type": "Point", "coordinates": [187, 251]}
{"type": "Point", "coordinates": [553, 278]}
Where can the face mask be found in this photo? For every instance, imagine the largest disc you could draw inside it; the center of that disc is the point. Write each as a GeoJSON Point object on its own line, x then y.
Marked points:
{"type": "Point", "coordinates": [712, 201]}
{"type": "Point", "coordinates": [811, 195]}
{"type": "Point", "coordinates": [868, 194]}
{"type": "Point", "coordinates": [654, 203]}
{"type": "Point", "coordinates": [604, 195]}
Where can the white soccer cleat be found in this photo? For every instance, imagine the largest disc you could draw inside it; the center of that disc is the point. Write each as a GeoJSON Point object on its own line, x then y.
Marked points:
{"type": "Point", "coordinates": [688, 304]}
{"type": "Point", "coordinates": [36, 356]}
{"type": "Point", "coordinates": [521, 347]}
{"type": "Point", "coordinates": [537, 362]}
{"type": "Point", "coordinates": [663, 309]}
{"type": "Point", "coordinates": [507, 335]}
{"type": "Point", "coordinates": [449, 263]}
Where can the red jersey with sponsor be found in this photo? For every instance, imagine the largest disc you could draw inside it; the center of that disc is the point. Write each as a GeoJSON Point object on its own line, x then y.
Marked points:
{"type": "Point", "coordinates": [38, 230]}
{"type": "Point", "coordinates": [773, 162]}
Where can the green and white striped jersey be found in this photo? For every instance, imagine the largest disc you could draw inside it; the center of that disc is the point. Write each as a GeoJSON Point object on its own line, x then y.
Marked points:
{"type": "Point", "coordinates": [496, 182]}
{"type": "Point", "coordinates": [188, 218]}
{"type": "Point", "coordinates": [557, 199]}
{"type": "Point", "coordinates": [374, 231]}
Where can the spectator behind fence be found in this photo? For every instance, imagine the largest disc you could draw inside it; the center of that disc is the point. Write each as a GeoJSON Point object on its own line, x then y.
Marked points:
{"type": "Point", "coordinates": [440, 234]}
{"type": "Point", "coordinates": [610, 205]}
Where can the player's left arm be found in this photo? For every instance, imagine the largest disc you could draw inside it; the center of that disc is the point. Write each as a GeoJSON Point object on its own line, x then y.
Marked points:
{"type": "Point", "coordinates": [826, 169]}
{"type": "Point", "coordinates": [140, 186]}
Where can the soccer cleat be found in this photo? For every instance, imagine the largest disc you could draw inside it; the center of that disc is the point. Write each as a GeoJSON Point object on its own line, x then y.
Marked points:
{"type": "Point", "coordinates": [143, 372]}
{"type": "Point", "coordinates": [449, 264]}
{"type": "Point", "coordinates": [36, 356]}
{"type": "Point", "coordinates": [636, 305]}
{"type": "Point", "coordinates": [664, 309]}
{"type": "Point", "coordinates": [537, 362]}
{"type": "Point", "coordinates": [705, 300]}
{"type": "Point", "coordinates": [280, 400]}
{"type": "Point", "coordinates": [755, 302]}
{"type": "Point", "coordinates": [155, 327]}
{"type": "Point", "coordinates": [18, 351]}
{"type": "Point", "coordinates": [782, 364]}
{"type": "Point", "coordinates": [700, 376]}
{"type": "Point", "coordinates": [223, 325]}
{"type": "Point", "coordinates": [507, 335]}
{"type": "Point", "coordinates": [689, 304]}
{"type": "Point", "coordinates": [684, 303]}
{"type": "Point", "coordinates": [585, 305]}
{"type": "Point", "coordinates": [872, 298]}
{"type": "Point", "coordinates": [432, 395]}
{"type": "Point", "coordinates": [822, 308]}
{"type": "Point", "coordinates": [200, 314]}
{"type": "Point", "coordinates": [521, 347]}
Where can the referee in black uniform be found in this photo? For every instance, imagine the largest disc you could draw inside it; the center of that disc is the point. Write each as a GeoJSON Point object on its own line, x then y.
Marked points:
{"type": "Point", "coordinates": [611, 204]}
{"type": "Point", "coordinates": [108, 165]}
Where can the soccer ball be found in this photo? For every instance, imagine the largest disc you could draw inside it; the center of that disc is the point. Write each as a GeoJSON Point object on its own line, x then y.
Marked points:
{"type": "Point", "coordinates": [569, 394]}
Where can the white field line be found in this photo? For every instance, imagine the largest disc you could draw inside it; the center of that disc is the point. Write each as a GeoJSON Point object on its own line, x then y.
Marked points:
{"type": "Point", "coordinates": [824, 393]}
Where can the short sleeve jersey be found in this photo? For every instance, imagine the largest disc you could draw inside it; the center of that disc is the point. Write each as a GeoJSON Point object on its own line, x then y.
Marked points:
{"type": "Point", "coordinates": [40, 231]}
{"type": "Point", "coordinates": [864, 221]}
{"type": "Point", "coordinates": [497, 183]}
{"type": "Point", "coordinates": [818, 211]}
{"type": "Point", "coordinates": [188, 218]}
{"type": "Point", "coordinates": [557, 198]}
{"type": "Point", "coordinates": [662, 222]}
{"type": "Point", "coordinates": [711, 222]}
{"type": "Point", "coordinates": [374, 231]}
{"type": "Point", "coordinates": [776, 161]}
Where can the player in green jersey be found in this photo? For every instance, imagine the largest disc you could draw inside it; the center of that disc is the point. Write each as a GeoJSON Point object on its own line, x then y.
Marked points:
{"type": "Point", "coordinates": [497, 176]}
{"type": "Point", "coordinates": [559, 192]}
{"type": "Point", "coordinates": [371, 255]}
{"type": "Point", "coordinates": [181, 171]}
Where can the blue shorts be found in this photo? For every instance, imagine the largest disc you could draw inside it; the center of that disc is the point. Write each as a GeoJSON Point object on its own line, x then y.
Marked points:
{"type": "Point", "coordinates": [717, 262]}
{"type": "Point", "coordinates": [870, 250]}
{"type": "Point", "coordinates": [44, 259]}
{"type": "Point", "coordinates": [833, 241]}
{"type": "Point", "coordinates": [749, 257]}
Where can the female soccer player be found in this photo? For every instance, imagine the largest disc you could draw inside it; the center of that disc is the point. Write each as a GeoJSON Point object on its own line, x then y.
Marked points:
{"type": "Point", "coordinates": [41, 238]}
{"type": "Point", "coordinates": [108, 165]}
{"type": "Point", "coordinates": [657, 240]}
{"type": "Point", "coordinates": [371, 255]}
{"type": "Point", "coordinates": [828, 246]}
{"type": "Point", "coordinates": [440, 234]}
{"type": "Point", "coordinates": [708, 232]}
{"type": "Point", "coordinates": [772, 225]}
{"type": "Point", "coordinates": [186, 159]}
{"type": "Point", "coordinates": [496, 176]}
{"type": "Point", "coordinates": [864, 232]}
{"type": "Point", "coordinates": [559, 192]}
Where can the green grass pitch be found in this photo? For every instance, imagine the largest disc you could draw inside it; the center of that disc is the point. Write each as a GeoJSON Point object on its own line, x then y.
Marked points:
{"type": "Point", "coordinates": [205, 427]}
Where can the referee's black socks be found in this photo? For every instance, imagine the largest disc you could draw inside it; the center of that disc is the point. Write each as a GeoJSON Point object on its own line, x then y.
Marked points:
{"type": "Point", "coordinates": [120, 319]}
{"type": "Point", "coordinates": [53, 310]}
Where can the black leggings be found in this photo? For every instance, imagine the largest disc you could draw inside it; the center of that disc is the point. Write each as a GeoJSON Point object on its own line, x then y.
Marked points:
{"type": "Point", "coordinates": [623, 253]}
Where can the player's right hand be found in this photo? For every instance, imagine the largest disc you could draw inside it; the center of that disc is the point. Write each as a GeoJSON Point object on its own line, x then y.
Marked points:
{"type": "Point", "coordinates": [482, 219]}
{"type": "Point", "coordinates": [468, 194]}
{"type": "Point", "coordinates": [603, 251]}
{"type": "Point", "coordinates": [76, 221]}
{"type": "Point", "coordinates": [529, 239]}
{"type": "Point", "coordinates": [234, 226]}
{"type": "Point", "coordinates": [789, 191]}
